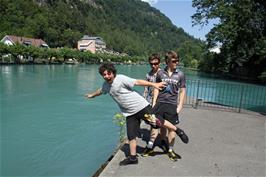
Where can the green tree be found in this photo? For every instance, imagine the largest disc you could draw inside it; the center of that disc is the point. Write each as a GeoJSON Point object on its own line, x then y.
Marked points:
{"type": "Point", "coordinates": [190, 53]}
{"type": "Point", "coordinates": [240, 32]}
{"type": "Point", "coordinates": [34, 52]}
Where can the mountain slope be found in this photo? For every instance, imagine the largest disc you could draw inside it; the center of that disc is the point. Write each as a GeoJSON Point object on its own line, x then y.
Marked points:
{"type": "Point", "coordinates": [130, 26]}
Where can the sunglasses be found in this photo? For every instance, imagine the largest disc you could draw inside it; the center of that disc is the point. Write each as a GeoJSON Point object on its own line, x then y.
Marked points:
{"type": "Point", "coordinates": [174, 61]}
{"type": "Point", "coordinates": [154, 63]}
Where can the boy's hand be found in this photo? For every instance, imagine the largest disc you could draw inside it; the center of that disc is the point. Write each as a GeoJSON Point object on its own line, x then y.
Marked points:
{"type": "Point", "coordinates": [160, 85]}
{"type": "Point", "coordinates": [94, 94]}
{"type": "Point", "coordinates": [178, 109]}
{"type": "Point", "coordinates": [88, 96]}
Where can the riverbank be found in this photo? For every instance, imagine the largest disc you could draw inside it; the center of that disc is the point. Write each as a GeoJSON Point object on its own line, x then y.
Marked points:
{"type": "Point", "coordinates": [214, 75]}
{"type": "Point", "coordinates": [221, 144]}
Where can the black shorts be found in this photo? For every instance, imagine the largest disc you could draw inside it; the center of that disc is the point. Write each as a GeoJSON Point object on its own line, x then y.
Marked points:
{"type": "Point", "coordinates": [133, 122]}
{"type": "Point", "coordinates": [166, 111]}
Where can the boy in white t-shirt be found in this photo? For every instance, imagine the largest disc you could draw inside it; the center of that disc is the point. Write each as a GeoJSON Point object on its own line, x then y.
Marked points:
{"type": "Point", "coordinates": [132, 105]}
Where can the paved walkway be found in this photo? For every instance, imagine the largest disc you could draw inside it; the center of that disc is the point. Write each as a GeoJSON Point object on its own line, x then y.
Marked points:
{"type": "Point", "coordinates": [221, 144]}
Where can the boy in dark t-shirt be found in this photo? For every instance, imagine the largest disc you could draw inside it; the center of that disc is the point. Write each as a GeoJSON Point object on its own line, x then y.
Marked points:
{"type": "Point", "coordinates": [168, 102]}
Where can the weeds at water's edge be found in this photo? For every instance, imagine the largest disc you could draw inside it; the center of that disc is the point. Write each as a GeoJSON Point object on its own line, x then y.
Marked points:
{"type": "Point", "coordinates": [120, 120]}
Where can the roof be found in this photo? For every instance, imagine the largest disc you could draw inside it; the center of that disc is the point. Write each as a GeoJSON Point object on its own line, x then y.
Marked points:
{"type": "Point", "coordinates": [25, 40]}
{"type": "Point", "coordinates": [97, 39]}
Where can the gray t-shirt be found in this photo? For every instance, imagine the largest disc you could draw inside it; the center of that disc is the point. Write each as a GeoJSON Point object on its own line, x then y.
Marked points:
{"type": "Point", "coordinates": [121, 90]}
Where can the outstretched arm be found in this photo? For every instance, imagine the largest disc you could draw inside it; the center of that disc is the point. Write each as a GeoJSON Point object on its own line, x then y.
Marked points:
{"type": "Point", "coordinates": [155, 96]}
{"type": "Point", "coordinates": [159, 85]}
{"type": "Point", "coordinates": [98, 92]}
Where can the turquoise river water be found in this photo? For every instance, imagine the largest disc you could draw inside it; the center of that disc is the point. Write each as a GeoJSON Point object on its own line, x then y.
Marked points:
{"type": "Point", "coordinates": [48, 128]}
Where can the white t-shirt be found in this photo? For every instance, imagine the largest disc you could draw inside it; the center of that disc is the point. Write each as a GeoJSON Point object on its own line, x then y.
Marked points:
{"type": "Point", "coordinates": [121, 90]}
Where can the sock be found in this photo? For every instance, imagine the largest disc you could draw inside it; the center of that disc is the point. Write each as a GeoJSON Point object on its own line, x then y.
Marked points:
{"type": "Point", "coordinates": [170, 148]}
{"type": "Point", "coordinates": [150, 145]}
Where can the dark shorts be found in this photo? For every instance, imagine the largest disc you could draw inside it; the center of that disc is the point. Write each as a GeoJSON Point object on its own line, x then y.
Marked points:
{"type": "Point", "coordinates": [167, 112]}
{"type": "Point", "coordinates": [133, 122]}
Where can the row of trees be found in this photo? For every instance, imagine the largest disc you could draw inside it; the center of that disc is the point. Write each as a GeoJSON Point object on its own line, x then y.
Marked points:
{"type": "Point", "coordinates": [31, 54]}
{"type": "Point", "coordinates": [190, 54]}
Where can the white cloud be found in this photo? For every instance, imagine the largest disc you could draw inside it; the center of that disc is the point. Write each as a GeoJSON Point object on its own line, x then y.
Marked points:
{"type": "Point", "coordinates": [151, 2]}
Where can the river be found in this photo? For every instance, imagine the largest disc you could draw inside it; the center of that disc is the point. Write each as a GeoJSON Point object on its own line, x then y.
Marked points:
{"type": "Point", "coordinates": [48, 128]}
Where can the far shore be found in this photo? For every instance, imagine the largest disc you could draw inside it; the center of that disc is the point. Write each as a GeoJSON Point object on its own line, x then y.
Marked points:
{"type": "Point", "coordinates": [218, 75]}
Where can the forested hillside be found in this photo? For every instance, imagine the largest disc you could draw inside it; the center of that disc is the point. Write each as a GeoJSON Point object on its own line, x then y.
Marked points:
{"type": "Point", "coordinates": [129, 26]}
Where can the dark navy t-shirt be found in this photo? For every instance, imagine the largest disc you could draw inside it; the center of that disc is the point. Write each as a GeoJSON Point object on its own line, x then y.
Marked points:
{"type": "Point", "coordinates": [170, 93]}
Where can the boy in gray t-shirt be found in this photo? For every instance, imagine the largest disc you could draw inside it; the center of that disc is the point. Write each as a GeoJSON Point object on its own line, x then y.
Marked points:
{"type": "Point", "coordinates": [132, 105]}
{"type": "Point", "coordinates": [129, 101]}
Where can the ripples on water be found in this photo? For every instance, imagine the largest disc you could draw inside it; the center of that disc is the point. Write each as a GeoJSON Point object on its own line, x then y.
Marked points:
{"type": "Point", "coordinates": [48, 128]}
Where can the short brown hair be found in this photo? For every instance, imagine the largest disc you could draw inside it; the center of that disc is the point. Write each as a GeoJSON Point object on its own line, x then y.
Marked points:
{"type": "Point", "coordinates": [154, 56]}
{"type": "Point", "coordinates": [107, 67]}
{"type": "Point", "coordinates": [171, 54]}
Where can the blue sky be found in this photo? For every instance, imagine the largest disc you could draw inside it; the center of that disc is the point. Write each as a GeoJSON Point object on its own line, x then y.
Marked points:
{"type": "Point", "coordinates": [180, 12]}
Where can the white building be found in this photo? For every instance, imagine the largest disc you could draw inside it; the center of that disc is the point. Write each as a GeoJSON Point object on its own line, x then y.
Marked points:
{"type": "Point", "coordinates": [92, 44]}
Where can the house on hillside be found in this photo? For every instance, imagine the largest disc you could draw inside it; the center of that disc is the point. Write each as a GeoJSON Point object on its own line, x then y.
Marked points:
{"type": "Point", "coordinates": [92, 44]}
{"type": "Point", "coordinates": [12, 40]}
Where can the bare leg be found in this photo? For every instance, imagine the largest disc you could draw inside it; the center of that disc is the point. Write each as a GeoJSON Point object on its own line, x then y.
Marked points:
{"type": "Point", "coordinates": [169, 125]}
{"type": "Point", "coordinates": [155, 122]}
{"type": "Point", "coordinates": [163, 133]}
{"type": "Point", "coordinates": [133, 146]}
{"type": "Point", "coordinates": [177, 130]}
{"type": "Point", "coordinates": [171, 138]}
{"type": "Point", "coordinates": [154, 134]}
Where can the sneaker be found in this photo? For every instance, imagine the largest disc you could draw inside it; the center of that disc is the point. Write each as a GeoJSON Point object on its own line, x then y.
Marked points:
{"type": "Point", "coordinates": [173, 156]}
{"type": "Point", "coordinates": [164, 146]}
{"type": "Point", "coordinates": [128, 161]}
{"type": "Point", "coordinates": [152, 121]}
{"type": "Point", "coordinates": [150, 118]}
{"type": "Point", "coordinates": [147, 152]}
{"type": "Point", "coordinates": [182, 135]}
